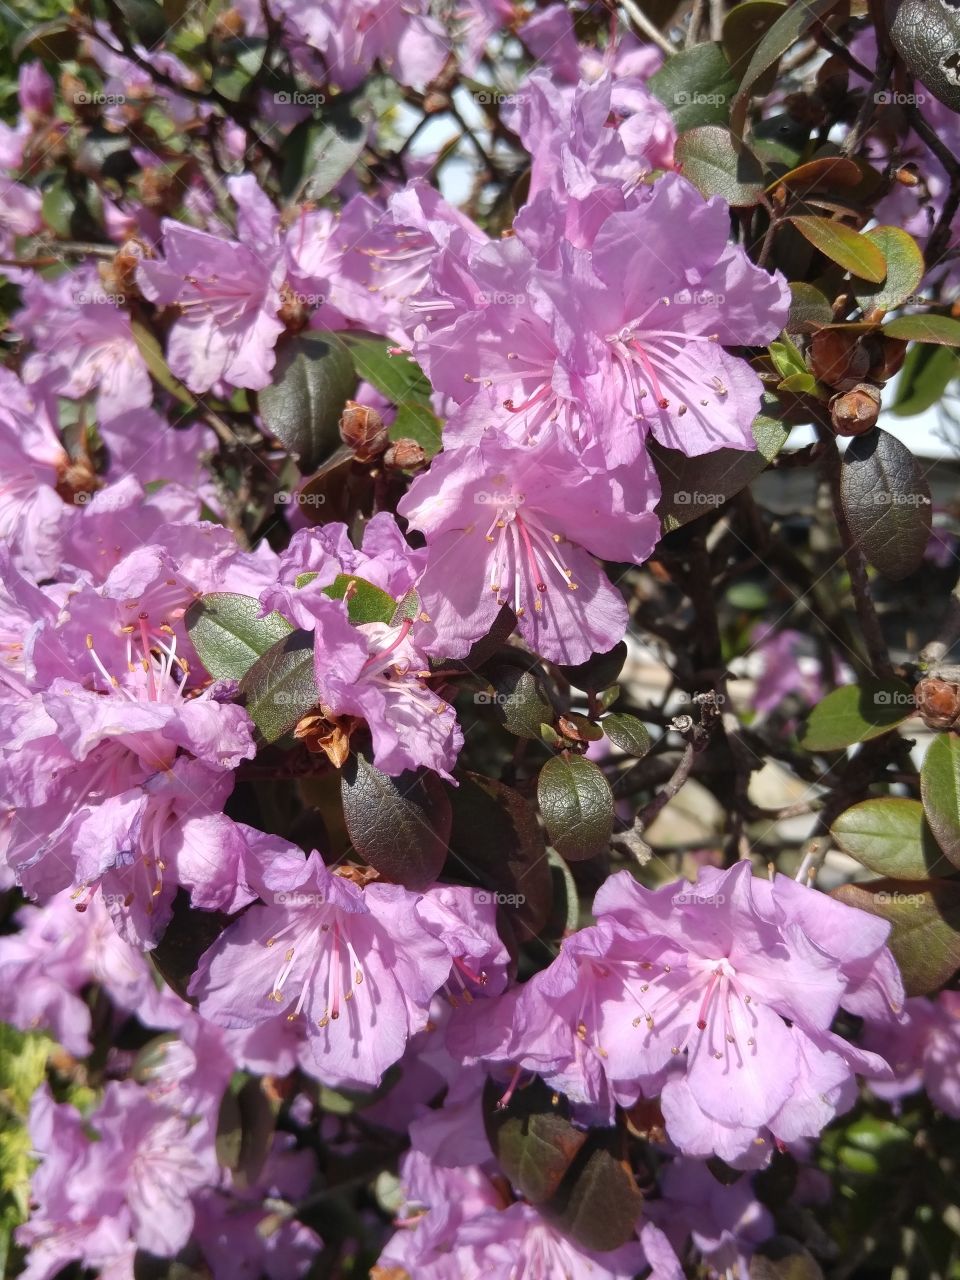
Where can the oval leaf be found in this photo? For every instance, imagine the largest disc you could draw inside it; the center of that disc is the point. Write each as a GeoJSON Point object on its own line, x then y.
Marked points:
{"type": "Point", "coordinates": [708, 158]}
{"type": "Point", "coordinates": [312, 382]}
{"type": "Point", "coordinates": [887, 502]}
{"type": "Point", "coordinates": [856, 713]}
{"type": "Point", "coordinates": [628, 733]}
{"type": "Point", "coordinates": [400, 825]}
{"type": "Point", "coordinates": [787, 29]}
{"type": "Point", "coordinates": [318, 153]}
{"type": "Point", "coordinates": [600, 1202]}
{"type": "Point", "coordinates": [943, 330]}
{"type": "Point", "coordinates": [940, 788]}
{"type": "Point", "coordinates": [577, 807]}
{"type": "Point", "coordinates": [905, 268]}
{"type": "Point", "coordinates": [695, 86]}
{"type": "Point", "coordinates": [809, 308]}
{"type": "Point", "coordinates": [532, 1138]}
{"type": "Point", "coordinates": [365, 602]}
{"type": "Point", "coordinates": [925, 915]}
{"type": "Point", "coordinates": [844, 246]}
{"type": "Point", "coordinates": [229, 634]}
{"type": "Point", "coordinates": [890, 836]}
{"type": "Point", "coordinates": [279, 689]}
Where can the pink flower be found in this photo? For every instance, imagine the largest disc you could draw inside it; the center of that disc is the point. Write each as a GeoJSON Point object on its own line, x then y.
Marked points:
{"type": "Point", "coordinates": [923, 1051]}
{"type": "Point", "coordinates": [354, 34]}
{"type": "Point", "coordinates": [356, 965]}
{"type": "Point", "coordinates": [618, 342]}
{"type": "Point", "coordinates": [511, 525]}
{"type": "Point", "coordinates": [376, 672]}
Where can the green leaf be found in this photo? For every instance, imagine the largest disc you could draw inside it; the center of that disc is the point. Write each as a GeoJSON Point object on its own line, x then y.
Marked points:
{"type": "Point", "coordinates": [695, 86]}
{"type": "Point", "coordinates": [627, 732]}
{"type": "Point", "coordinates": [229, 634]}
{"type": "Point", "coordinates": [313, 379]}
{"type": "Point", "coordinates": [497, 844]}
{"type": "Point", "coordinates": [518, 698]}
{"type": "Point", "coordinates": [925, 915]}
{"type": "Point", "coordinates": [825, 171]}
{"type": "Point", "coordinates": [942, 330]}
{"type": "Point", "coordinates": [786, 358]}
{"type": "Point", "coordinates": [743, 29]}
{"type": "Point", "coordinates": [707, 157]}
{"type": "Point", "coordinates": [241, 62]}
{"type": "Point", "coordinates": [886, 500]}
{"type": "Point", "coordinates": [905, 268]}
{"type": "Point", "coordinates": [927, 372]}
{"type": "Point", "coordinates": [152, 355]}
{"type": "Point", "coordinates": [890, 836]}
{"type": "Point", "coordinates": [279, 689]}
{"type": "Point", "coordinates": [809, 308]}
{"type": "Point", "coordinates": [365, 602]}
{"type": "Point", "coordinates": [146, 20]}
{"type": "Point", "coordinates": [418, 422]}
{"type": "Point", "coordinates": [857, 713]}
{"type": "Point", "coordinates": [318, 153]}
{"type": "Point", "coordinates": [785, 32]}
{"type": "Point", "coordinates": [844, 246]}
{"type": "Point", "coordinates": [599, 1202]}
{"type": "Point", "coordinates": [940, 788]}
{"type": "Point", "coordinates": [577, 807]}
{"type": "Point", "coordinates": [400, 825]}
{"type": "Point", "coordinates": [533, 1138]}
{"type": "Point", "coordinates": [54, 41]}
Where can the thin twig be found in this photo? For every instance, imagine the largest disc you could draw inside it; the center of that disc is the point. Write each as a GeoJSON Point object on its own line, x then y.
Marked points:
{"type": "Point", "coordinates": [643, 23]}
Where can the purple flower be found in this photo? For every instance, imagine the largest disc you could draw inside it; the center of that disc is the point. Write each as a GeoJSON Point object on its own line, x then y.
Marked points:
{"type": "Point", "coordinates": [357, 965]}
{"type": "Point", "coordinates": [227, 294]}
{"type": "Point", "coordinates": [509, 525]}
{"type": "Point", "coordinates": [621, 341]}
{"type": "Point", "coordinates": [922, 1051]}
{"type": "Point", "coordinates": [354, 34]}
{"type": "Point", "coordinates": [376, 672]}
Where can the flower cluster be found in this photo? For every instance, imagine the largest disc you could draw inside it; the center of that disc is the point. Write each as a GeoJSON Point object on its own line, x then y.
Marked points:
{"type": "Point", "coordinates": [273, 921]}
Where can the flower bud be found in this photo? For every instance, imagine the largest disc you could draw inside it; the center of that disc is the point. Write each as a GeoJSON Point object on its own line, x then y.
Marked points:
{"type": "Point", "coordinates": [405, 455]}
{"type": "Point", "coordinates": [229, 24]}
{"type": "Point", "coordinates": [294, 312]}
{"type": "Point", "coordinates": [855, 412]}
{"type": "Point", "coordinates": [938, 703]}
{"type": "Point", "coordinates": [887, 355]}
{"type": "Point", "coordinates": [837, 358]}
{"type": "Point", "coordinates": [362, 429]}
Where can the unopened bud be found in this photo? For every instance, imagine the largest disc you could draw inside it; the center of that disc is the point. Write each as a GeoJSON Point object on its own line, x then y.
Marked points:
{"type": "Point", "coordinates": [362, 429]}
{"type": "Point", "coordinates": [938, 703]}
{"type": "Point", "coordinates": [837, 358]}
{"type": "Point", "coordinates": [405, 455]}
{"type": "Point", "coordinates": [906, 176]}
{"type": "Point", "coordinates": [229, 24]}
{"type": "Point", "coordinates": [855, 412]}
{"type": "Point", "coordinates": [294, 312]}
{"type": "Point", "coordinates": [887, 358]}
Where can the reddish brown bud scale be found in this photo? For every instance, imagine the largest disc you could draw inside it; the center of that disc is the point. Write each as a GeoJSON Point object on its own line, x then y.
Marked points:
{"type": "Point", "coordinates": [837, 358]}
{"type": "Point", "coordinates": [405, 455]}
{"type": "Point", "coordinates": [362, 430]}
{"type": "Point", "coordinates": [938, 703]}
{"type": "Point", "coordinates": [855, 412]}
